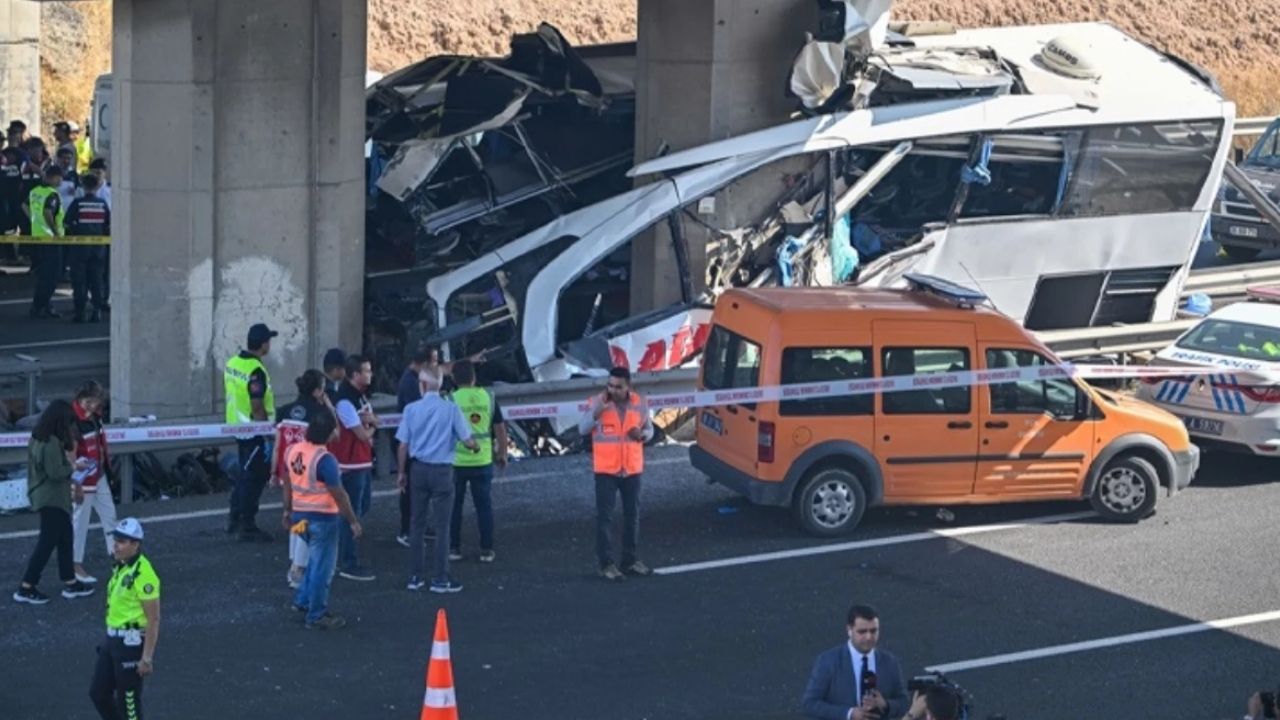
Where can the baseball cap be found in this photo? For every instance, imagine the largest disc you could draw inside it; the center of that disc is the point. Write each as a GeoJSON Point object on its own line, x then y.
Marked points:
{"type": "Point", "coordinates": [334, 357]}
{"type": "Point", "coordinates": [259, 334]}
{"type": "Point", "coordinates": [129, 528]}
{"type": "Point", "coordinates": [72, 125]}
{"type": "Point", "coordinates": [17, 125]}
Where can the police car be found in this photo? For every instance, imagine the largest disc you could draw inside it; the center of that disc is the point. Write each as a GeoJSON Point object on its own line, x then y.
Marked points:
{"type": "Point", "coordinates": [1236, 407]}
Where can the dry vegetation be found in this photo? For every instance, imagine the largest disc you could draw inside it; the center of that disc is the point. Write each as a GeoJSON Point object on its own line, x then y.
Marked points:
{"type": "Point", "coordinates": [1238, 40]}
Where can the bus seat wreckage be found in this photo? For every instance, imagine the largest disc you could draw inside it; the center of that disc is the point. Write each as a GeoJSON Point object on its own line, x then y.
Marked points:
{"type": "Point", "coordinates": [1066, 171]}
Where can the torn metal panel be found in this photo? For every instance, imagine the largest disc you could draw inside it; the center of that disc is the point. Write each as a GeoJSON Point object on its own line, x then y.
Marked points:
{"type": "Point", "coordinates": [875, 125]}
{"type": "Point", "coordinates": [651, 342]}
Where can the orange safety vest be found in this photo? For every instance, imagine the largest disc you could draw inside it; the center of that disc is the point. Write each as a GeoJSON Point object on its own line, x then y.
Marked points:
{"type": "Point", "coordinates": [612, 452]}
{"type": "Point", "coordinates": [309, 493]}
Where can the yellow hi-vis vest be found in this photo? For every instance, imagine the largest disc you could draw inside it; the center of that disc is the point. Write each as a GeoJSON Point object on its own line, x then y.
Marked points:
{"type": "Point", "coordinates": [477, 407]}
{"type": "Point", "coordinates": [37, 200]}
{"type": "Point", "coordinates": [235, 378]}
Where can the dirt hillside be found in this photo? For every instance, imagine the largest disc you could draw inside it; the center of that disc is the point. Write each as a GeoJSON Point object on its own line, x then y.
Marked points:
{"type": "Point", "coordinates": [1238, 40]}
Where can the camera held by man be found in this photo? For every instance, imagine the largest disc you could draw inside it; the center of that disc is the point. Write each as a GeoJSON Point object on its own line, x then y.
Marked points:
{"type": "Point", "coordinates": [936, 698]}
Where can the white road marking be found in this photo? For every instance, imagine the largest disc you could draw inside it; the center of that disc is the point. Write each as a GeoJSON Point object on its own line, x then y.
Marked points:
{"type": "Point", "coordinates": [58, 296]}
{"type": "Point", "coordinates": [214, 512]}
{"type": "Point", "coordinates": [864, 544]}
{"type": "Point", "coordinates": [1054, 650]}
{"type": "Point", "coordinates": [56, 343]}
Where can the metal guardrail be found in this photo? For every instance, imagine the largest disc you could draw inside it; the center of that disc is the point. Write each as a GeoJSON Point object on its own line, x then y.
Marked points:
{"type": "Point", "coordinates": [1252, 126]}
{"type": "Point", "coordinates": [1231, 280]}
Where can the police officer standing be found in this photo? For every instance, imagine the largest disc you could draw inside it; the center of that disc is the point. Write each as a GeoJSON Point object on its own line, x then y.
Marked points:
{"type": "Point", "coordinates": [45, 210]}
{"type": "Point", "coordinates": [127, 654]}
{"type": "Point", "coordinates": [250, 400]}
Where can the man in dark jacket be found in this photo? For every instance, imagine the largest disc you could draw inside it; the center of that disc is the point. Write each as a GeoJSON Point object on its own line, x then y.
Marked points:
{"type": "Point", "coordinates": [856, 680]}
{"type": "Point", "coordinates": [88, 216]}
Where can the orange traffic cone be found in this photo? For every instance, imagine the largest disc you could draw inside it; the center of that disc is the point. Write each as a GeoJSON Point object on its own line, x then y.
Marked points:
{"type": "Point", "coordinates": [439, 702]}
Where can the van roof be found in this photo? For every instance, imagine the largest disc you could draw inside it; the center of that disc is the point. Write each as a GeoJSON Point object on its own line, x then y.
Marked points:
{"type": "Point", "coordinates": [806, 299]}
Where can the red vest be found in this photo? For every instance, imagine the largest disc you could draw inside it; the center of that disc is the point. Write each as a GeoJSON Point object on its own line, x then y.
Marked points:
{"type": "Point", "coordinates": [351, 451]}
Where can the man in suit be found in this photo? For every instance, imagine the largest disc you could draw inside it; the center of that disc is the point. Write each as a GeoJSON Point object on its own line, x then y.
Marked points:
{"type": "Point", "coordinates": [855, 680]}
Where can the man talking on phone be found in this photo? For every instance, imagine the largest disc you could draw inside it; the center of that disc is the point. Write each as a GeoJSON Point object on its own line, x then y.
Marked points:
{"type": "Point", "coordinates": [619, 423]}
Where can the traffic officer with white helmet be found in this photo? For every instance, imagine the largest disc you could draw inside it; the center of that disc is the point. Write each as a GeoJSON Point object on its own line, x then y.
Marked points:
{"type": "Point", "coordinates": [127, 654]}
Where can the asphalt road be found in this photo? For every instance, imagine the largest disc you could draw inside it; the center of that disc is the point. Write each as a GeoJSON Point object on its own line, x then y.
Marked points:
{"type": "Point", "coordinates": [537, 635]}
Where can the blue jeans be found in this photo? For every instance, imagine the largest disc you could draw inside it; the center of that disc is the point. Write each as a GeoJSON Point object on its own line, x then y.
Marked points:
{"type": "Point", "coordinates": [357, 483]}
{"type": "Point", "coordinates": [481, 481]}
{"type": "Point", "coordinates": [322, 544]}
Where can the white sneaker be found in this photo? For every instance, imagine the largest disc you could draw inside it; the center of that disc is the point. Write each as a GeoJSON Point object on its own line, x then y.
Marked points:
{"type": "Point", "coordinates": [86, 578]}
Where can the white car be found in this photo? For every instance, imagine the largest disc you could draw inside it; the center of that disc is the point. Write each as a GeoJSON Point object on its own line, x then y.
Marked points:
{"type": "Point", "coordinates": [1237, 407]}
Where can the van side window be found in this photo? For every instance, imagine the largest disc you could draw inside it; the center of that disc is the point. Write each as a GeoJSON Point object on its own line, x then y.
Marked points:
{"type": "Point", "coordinates": [1056, 397]}
{"type": "Point", "coordinates": [900, 361]}
{"type": "Point", "coordinates": [806, 365]}
{"type": "Point", "coordinates": [730, 361]}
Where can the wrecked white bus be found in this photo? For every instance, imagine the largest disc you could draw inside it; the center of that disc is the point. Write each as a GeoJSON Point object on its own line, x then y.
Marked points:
{"type": "Point", "coordinates": [1065, 170]}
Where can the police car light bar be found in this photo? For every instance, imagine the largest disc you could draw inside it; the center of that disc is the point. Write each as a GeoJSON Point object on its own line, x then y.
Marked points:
{"type": "Point", "coordinates": [1265, 293]}
{"type": "Point", "coordinates": [945, 289]}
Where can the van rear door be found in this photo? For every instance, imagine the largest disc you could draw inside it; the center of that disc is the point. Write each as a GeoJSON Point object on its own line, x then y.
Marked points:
{"type": "Point", "coordinates": [730, 432]}
{"type": "Point", "coordinates": [926, 438]}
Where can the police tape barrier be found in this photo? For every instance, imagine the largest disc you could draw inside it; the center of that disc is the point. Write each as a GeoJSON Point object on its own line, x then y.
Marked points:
{"type": "Point", "coordinates": [55, 240]}
{"type": "Point", "coordinates": [696, 399]}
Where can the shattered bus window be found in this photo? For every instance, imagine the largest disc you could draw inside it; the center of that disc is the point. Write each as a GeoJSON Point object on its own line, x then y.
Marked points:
{"type": "Point", "coordinates": [1142, 168]}
{"type": "Point", "coordinates": [599, 297]}
{"type": "Point", "coordinates": [1024, 176]}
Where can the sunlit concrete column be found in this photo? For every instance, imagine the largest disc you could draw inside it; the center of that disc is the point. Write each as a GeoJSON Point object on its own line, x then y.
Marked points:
{"type": "Point", "coordinates": [707, 70]}
{"type": "Point", "coordinates": [20, 63]}
{"type": "Point", "coordinates": [237, 192]}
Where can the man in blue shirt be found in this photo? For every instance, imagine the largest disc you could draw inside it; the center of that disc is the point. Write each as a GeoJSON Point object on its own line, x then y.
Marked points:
{"type": "Point", "coordinates": [407, 392]}
{"type": "Point", "coordinates": [428, 434]}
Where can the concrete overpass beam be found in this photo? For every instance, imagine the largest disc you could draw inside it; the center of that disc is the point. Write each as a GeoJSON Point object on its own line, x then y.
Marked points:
{"type": "Point", "coordinates": [237, 192]}
{"type": "Point", "coordinates": [707, 70]}
{"type": "Point", "coordinates": [20, 63]}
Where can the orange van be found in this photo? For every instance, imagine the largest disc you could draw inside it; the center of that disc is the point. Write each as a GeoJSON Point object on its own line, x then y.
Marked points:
{"type": "Point", "coordinates": [829, 458]}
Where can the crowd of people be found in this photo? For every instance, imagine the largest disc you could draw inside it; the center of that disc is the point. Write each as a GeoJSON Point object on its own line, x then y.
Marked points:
{"type": "Point", "coordinates": [450, 441]}
{"type": "Point", "coordinates": [51, 193]}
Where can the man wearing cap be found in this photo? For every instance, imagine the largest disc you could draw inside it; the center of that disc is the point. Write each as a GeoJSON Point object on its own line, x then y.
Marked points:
{"type": "Point", "coordinates": [250, 400]}
{"type": "Point", "coordinates": [46, 212]}
{"type": "Point", "coordinates": [127, 654]}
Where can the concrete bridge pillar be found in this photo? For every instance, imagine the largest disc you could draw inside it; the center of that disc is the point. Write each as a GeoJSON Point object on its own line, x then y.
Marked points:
{"type": "Point", "coordinates": [237, 192]}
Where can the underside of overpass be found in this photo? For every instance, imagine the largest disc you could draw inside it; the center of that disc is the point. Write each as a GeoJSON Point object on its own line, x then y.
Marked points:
{"type": "Point", "coordinates": [238, 173]}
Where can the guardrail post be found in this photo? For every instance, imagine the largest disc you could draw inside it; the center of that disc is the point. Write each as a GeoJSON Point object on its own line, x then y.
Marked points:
{"type": "Point", "coordinates": [126, 480]}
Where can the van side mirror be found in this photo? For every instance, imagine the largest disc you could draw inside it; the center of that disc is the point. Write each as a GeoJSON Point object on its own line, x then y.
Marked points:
{"type": "Point", "coordinates": [1084, 404]}
{"type": "Point", "coordinates": [1237, 155]}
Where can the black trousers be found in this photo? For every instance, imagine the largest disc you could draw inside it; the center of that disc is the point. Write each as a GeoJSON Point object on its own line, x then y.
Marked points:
{"type": "Point", "coordinates": [255, 471]}
{"type": "Point", "coordinates": [55, 533]}
{"type": "Point", "coordinates": [88, 276]}
{"type": "Point", "coordinates": [116, 689]}
{"type": "Point", "coordinates": [608, 488]}
{"type": "Point", "coordinates": [48, 271]}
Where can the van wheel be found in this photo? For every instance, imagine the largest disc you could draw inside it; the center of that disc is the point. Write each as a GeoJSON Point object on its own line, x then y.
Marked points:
{"type": "Point", "coordinates": [830, 503]}
{"type": "Point", "coordinates": [1126, 491]}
